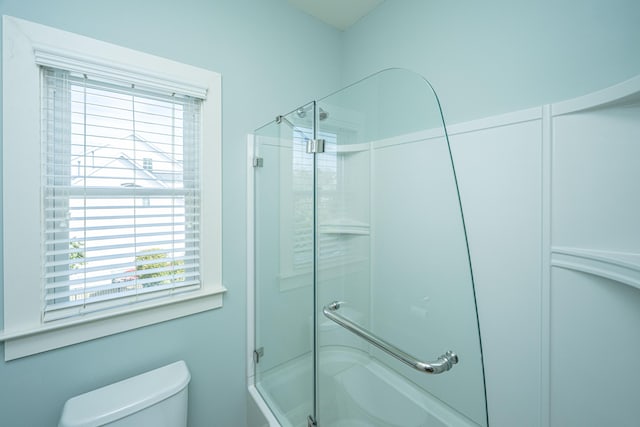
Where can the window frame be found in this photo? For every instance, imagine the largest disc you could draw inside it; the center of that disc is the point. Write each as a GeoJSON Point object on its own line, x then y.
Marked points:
{"type": "Point", "coordinates": [27, 46]}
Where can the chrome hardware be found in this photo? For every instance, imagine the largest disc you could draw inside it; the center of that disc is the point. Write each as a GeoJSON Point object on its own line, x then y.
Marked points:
{"type": "Point", "coordinates": [311, 422]}
{"type": "Point", "coordinates": [258, 162]}
{"type": "Point", "coordinates": [301, 112]}
{"type": "Point", "coordinates": [443, 364]}
{"type": "Point", "coordinates": [257, 354]}
{"type": "Point", "coordinates": [315, 146]}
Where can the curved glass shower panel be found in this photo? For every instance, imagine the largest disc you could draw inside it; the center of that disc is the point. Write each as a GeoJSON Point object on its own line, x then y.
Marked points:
{"type": "Point", "coordinates": [283, 174]}
{"type": "Point", "coordinates": [392, 251]}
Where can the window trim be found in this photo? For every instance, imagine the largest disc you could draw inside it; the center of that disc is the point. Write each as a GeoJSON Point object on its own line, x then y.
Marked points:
{"type": "Point", "coordinates": [23, 45]}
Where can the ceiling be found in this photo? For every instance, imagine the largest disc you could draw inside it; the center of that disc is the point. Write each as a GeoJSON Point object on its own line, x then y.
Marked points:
{"type": "Point", "coordinates": [340, 14]}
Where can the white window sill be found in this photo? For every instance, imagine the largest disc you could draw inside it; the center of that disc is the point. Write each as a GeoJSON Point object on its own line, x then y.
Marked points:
{"type": "Point", "coordinates": [62, 333]}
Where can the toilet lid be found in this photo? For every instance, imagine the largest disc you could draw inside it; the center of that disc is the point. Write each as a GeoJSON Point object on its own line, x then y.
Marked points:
{"type": "Point", "coordinates": [118, 400]}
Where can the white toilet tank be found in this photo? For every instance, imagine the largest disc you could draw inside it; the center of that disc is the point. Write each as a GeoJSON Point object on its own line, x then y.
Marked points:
{"type": "Point", "coordinates": [156, 398]}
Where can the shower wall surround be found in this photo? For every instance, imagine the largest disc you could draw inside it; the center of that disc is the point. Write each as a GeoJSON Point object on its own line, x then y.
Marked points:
{"type": "Point", "coordinates": [551, 198]}
{"type": "Point", "coordinates": [593, 294]}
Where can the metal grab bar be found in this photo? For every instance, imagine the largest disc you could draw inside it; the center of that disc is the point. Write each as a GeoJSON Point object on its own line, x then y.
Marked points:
{"type": "Point", "coordinates": [443, 364]}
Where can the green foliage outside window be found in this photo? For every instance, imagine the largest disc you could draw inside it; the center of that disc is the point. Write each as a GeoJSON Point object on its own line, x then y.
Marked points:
{"type": "Point", "coordinates": [79, 254]}
{"type": "Point", "coordinates": [159, 261]}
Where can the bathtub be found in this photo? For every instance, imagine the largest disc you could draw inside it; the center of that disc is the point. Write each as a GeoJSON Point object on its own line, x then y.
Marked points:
{"type": "Point", "coordinates": [355, 390]}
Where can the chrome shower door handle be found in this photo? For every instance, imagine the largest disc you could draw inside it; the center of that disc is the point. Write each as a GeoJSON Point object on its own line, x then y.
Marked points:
{"type": "Point", "coordinates": [443, 364]}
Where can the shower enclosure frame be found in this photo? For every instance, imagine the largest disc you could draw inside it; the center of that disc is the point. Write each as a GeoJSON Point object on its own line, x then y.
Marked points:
{"type": "Point", "coordinates": [442, 364]}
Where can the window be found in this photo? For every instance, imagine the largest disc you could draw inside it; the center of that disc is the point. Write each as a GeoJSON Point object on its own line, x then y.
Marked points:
{"type": "Point", "coordinates": [115, 231]}
{"type": "Point", "coordinates": [107, 195]}
{"type": "Point", "coordinates": [147, 163]}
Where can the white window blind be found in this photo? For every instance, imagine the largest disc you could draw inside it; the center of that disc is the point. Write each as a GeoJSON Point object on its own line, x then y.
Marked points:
{"type": "Point", "coordinates": [120, 192]}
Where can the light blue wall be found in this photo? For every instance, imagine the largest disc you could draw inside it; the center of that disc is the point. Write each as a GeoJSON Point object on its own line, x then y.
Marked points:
{"type": "Point", "coordinates": [496, 56]}
{"type": "Point", "coordinates": [482, 57]}
{"type": "Point", "coordinates": [264, 51]}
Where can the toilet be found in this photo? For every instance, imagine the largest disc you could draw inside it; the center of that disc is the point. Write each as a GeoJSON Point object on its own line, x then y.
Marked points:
{"type": "Point", "coordinates": [156, 398]}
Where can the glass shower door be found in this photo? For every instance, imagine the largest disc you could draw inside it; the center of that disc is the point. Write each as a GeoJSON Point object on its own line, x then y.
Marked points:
{"type": "Point", "coordinates": [284, 329]}
{"type": "Point", "coordinates": [397, 329]}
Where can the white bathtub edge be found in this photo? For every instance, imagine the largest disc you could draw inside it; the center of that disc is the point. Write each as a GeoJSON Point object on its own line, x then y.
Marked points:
{"type": "Point", "coordinates": [264, 409]}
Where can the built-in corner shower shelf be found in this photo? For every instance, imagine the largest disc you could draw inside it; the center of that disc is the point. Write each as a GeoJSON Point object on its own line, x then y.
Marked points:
{"type": "Point", "coordinates": [344, 227]}
{"type": "Point", "coordinates": [622, 267]}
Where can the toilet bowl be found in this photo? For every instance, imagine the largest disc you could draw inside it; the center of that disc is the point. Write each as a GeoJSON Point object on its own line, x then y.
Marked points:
{"type": "Point", "coordinates": [156, 398]}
